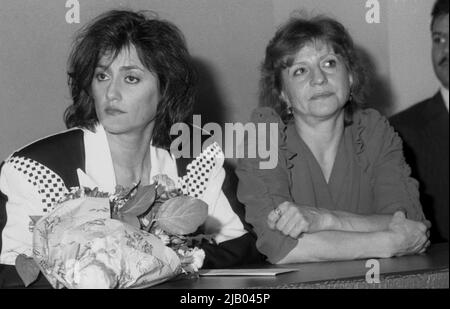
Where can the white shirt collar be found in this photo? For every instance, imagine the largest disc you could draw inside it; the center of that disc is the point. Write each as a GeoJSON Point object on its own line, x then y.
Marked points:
{"type": "Point", "coordinates": [444, 93]}
{"type": "Point", "coordinates": [99, 168]}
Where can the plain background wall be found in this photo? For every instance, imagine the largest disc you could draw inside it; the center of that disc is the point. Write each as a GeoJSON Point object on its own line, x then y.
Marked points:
{"type": "Point", "coordinates": [227, 39]}
{"type": "Point", "coordinates": [411, 68]}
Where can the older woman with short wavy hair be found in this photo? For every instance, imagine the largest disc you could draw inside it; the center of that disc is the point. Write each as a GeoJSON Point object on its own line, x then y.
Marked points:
{"type": "Point", "coordinates": [341, 188]}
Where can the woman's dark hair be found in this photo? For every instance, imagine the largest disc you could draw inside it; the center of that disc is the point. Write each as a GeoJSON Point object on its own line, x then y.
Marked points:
{"type": "Point", "coordinates": [289, 39]}
{"type": "Point", "coordinates": [160, 47]}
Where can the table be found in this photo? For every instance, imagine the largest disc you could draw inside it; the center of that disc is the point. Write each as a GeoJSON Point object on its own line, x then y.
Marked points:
{"type": "Point", "coordinates": [429, 270]}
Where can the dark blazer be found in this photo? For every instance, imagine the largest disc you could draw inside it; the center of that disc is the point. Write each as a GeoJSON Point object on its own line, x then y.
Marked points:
{"type": "Point", "coordinates": [424, 129]}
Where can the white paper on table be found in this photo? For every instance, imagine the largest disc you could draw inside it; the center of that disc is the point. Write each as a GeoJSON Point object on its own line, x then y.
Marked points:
{"type": "Point", "coordinates": [246, 272]}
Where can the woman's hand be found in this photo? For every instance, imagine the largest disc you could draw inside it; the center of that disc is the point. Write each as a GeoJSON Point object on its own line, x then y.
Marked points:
{"type": "Point", "coordinates": [409, 237]}
{"type": "Point", "coordinates": [293, 220]}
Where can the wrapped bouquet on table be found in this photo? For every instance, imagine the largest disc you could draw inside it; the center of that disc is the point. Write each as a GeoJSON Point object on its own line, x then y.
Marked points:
{"type": "Point", "coordinates": [133, 239]}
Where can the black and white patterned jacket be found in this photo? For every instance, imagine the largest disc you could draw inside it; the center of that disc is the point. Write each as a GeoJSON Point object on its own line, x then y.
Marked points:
{"type": "Point", "coordinates": [35, 177]}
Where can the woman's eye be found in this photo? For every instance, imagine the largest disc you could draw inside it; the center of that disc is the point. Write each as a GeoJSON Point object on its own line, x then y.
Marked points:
{"type": "Point", "coordinates": [132, 80]}
{"type": "Point", "coordinates": [101, 76]}
{"type": "Point", "coordinates": [300, 71]}
{"type": "Point", "coordinates": [330, 63]}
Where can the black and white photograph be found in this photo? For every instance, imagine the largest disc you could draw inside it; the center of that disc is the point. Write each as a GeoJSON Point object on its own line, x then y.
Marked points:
{"type": "Point", "coordinates": [228, 152]}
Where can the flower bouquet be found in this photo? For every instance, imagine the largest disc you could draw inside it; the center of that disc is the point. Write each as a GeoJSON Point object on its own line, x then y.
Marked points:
{"type": "Point", "coordinates": [133, 238]}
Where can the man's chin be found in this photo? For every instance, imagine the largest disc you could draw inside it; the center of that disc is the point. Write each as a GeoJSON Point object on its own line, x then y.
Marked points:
{"type": "Point", "coordinates": [442, 75]}
{"type": "Point", "coordinates": [444, 81]}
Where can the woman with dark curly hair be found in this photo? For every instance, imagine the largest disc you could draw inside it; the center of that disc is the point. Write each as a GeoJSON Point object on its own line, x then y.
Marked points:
{"type": "Point", "coordinates": [341, 188]}
{"type": "Point", "coordinates": [131, 80]}
{"type": "Point", "coordinates": [159, 47]}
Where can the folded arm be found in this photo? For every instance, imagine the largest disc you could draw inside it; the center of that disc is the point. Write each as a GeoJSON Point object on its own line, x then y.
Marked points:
{"type": "Point", "coordinates": [402, 237]}
{"type": "Point", "coordinates": [338, 245]}
{"type": "Point", "coordinates": [311, 219]}
{"type": "Point", "coordinates": [345, 221]}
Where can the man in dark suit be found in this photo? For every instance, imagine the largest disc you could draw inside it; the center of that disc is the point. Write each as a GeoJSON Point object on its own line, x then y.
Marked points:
{"type": "Point", "coordinates": [424, 129]}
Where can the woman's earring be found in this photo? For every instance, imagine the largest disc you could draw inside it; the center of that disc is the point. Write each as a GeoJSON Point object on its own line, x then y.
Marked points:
{"type": "Point", "coordinates": [350, 97]}
{"type": "Point", "coordinates": [289, 110]}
